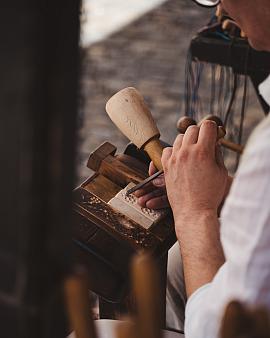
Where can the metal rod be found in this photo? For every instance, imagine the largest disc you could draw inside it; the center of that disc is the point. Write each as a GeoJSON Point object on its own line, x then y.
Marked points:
{"type": "Point", "coordinates": [143, 183]}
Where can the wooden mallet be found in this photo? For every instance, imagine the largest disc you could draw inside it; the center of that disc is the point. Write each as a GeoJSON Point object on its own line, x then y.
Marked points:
{"type": "Point", "coordinates": [130, 114]}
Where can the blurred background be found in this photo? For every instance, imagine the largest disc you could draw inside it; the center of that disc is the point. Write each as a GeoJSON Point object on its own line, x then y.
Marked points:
{"type": "Point", "coordinates": [133, 43]}
{"type": "Point", "coordinates": [142, 44]}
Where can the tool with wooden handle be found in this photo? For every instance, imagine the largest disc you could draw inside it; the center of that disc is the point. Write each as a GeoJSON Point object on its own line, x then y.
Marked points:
{"type": "Point", "coordinates": [129, 112]}
{"type": "Point", "coordinates": [186, 121]}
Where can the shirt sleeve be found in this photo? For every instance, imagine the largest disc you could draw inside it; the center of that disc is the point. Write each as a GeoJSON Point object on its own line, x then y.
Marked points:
{"type": "Point", "coordinates": [245, 237]}
{"type": "Point", "coordinates": [195, 302]}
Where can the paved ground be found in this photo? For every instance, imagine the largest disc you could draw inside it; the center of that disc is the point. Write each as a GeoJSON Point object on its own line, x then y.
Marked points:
{"type": "Point", "coordinates": [149, 54]}
{"type": "Point", "coordinates": [102, 17]}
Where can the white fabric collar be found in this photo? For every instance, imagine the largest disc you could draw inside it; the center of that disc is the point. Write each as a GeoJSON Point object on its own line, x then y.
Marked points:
{"type": "Point", "coordinates": [264, 89]}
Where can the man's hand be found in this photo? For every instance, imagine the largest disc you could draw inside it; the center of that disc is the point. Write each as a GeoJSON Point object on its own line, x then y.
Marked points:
{"type": "Point", "coordinates": [196, 181]}
{"type": "Point", "coordinates": [195, 175]}
{"type": "Point", "coordinates": [153, 195]}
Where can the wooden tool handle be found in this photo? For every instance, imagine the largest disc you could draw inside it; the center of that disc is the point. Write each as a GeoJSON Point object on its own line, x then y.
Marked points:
{"type": "Point", "coordinates": [238, 148]}
{"type": "Point", "coordinates": [131, 115]}
{"type": "Point", "coordinates": [185, 121]}
{"type": "Point", "coordinates": [154, 149]}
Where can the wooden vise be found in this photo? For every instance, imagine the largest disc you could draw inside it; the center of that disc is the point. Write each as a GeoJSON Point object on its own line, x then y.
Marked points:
{"type": "Point", "coordinates": [106, 239]}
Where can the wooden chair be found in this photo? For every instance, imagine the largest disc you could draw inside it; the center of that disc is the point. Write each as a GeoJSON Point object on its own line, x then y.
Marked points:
{"type": "Point", "coordinates": [241, 321]}
{"type": "Point", "coordinates": [146, 320]}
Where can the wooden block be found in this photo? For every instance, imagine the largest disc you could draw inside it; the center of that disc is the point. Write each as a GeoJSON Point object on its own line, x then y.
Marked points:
{"type": "Point", "coordinates": [102, 187]}
{"type": "Point", "coordinates": [114, 223]}
{"type": "Point", "coordinates": [100, 154]}
{"type": "Point", "coordinates": [116, 170]}
{"type": "Point", "coordinates": [119, 172]}
{"type": "Point", "coordinates": [128, 206]}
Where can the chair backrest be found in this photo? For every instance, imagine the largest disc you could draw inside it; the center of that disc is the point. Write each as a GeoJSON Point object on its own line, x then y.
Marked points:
{"type": "Point", "coordinates": [241, 321]}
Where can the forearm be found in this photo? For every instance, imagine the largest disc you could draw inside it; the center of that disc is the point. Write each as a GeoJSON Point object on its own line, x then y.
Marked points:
{"type": "Point", "coordinates": [201, 249]}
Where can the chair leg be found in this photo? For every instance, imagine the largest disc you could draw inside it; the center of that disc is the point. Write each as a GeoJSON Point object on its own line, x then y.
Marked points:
{"type": "Point", "coordinates": [109, 310]}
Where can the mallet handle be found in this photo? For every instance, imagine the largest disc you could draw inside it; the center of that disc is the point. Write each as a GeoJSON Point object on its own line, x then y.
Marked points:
{"type": "Point", "coordinates": [154, 149]}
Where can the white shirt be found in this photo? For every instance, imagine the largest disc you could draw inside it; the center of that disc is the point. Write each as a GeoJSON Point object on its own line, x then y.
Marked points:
{"type": "Point", "coordinates": [245, 237]}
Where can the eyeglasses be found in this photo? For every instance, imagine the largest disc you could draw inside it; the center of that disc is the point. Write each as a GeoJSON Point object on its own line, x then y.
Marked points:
{"type": "Point", "coordinates": [207, 3]}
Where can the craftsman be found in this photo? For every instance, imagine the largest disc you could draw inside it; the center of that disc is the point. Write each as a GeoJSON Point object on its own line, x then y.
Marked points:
{"type": "Point", "coordinates": [228, 258]}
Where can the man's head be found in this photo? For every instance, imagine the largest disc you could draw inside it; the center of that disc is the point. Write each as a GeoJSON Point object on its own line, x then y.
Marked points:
{"type": "Point", "coordinates": [253, 16]}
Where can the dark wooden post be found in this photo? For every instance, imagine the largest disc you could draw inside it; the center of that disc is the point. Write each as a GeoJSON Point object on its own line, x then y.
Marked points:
{"type": "Point", "coordinates": [38, 104]}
